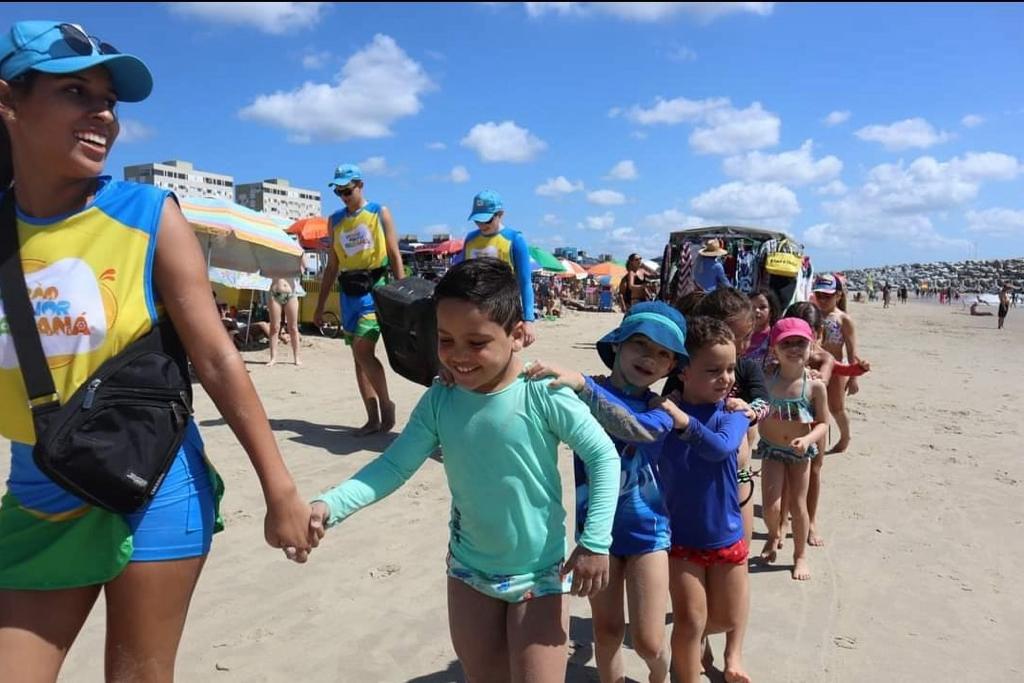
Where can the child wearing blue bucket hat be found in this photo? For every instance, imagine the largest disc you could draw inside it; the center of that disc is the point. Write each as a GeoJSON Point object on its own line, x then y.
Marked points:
{"type": "Point", "coordinates": [648, 345]}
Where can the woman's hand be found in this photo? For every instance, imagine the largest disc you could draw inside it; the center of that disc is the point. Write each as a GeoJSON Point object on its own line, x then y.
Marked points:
{"type": "Point", "coordinates": [287, 526]}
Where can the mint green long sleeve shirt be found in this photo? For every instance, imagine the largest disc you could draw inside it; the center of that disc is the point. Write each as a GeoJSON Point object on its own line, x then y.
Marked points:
{"type": "Point", "coordinates": [500, 458]}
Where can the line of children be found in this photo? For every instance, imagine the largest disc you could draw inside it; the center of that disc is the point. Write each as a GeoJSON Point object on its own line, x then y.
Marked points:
{"type": "Point", "coordinates": [840, 336]}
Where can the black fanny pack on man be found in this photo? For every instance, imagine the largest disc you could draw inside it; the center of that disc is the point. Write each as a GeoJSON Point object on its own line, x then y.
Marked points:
{"type": "Point", "coordinates": [112, 442]}
{"type": "Point", "coordinates": [360, 282]}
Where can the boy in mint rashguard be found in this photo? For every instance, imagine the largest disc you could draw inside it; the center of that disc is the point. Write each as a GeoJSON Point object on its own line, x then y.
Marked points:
{"type": "Point", "coordinates": [500, 435]}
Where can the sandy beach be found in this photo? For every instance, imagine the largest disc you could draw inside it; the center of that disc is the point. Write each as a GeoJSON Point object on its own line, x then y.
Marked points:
{"type": "Point", "coordinates": [922, 520]}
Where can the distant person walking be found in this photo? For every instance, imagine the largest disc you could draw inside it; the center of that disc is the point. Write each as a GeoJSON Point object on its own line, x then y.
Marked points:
{"type": "Point", "coordinates": [1004, 304]}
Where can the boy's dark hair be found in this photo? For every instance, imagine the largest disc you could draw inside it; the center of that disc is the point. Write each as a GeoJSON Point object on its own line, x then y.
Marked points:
{"type": "Point", "coordinates": [687, 303]}
{"type": "Point", "coordinates": [808, 312]}
{"type": "Point", "coordinates": [725, 303]}
{"type": "Point", "coordinates": [488, 284]}
{"type": "Point", "coordinates": [703, 331]}
{"type": "Point", "coordinates": [774, 307]}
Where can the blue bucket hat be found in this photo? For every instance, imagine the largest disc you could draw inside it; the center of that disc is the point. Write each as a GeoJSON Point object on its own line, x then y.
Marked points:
{"type": "Point", "coordinates": [55, 47]}
{"type": "Point", "coordinates": [656, 320]}
{"type": "Point", "coordinates": [345, 174]}
{"type": "Point", "coordinates": [485, 205]}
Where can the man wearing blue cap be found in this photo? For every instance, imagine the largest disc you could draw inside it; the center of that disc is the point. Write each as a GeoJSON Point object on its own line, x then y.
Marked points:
{"type": "Point", "coordinates": [364, 249]}
{"type": "Point", "coordinates": [491, 239]}
{"type": "Point", "coordinates": [121, 259]}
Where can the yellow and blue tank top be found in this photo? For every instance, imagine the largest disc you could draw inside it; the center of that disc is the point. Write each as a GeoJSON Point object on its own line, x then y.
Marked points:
{"type": "Point", "coordinates": [510, 246]}
{"type": "Point", "coordinates": [358, 238]}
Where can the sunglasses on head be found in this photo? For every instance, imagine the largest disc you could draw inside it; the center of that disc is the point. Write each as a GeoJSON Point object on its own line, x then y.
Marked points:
{"type": "Point", "coordinates": [74, 42]}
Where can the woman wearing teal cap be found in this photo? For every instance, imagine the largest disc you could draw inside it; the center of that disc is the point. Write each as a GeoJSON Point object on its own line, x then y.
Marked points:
{"type": "Point", "coordinates": [121, 258]}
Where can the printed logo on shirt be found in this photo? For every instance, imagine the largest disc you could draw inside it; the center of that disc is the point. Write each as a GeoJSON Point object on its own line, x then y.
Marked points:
{"type": "Point", "coordinates": [485, 252]}
{"type": "Point", "coordinates": [356, 240]}
{"type": "Point", "coordinates": [71, 307]}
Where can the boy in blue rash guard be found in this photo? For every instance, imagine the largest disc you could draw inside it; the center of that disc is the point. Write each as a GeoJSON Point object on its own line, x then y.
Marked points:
{"type": "Point", "coordinates": [708, 557]}
{"type": "Point", "coordinates": [506, 554]}
{"type": "Point", "coordinates": [648, 346]}
{"type": "Point", "coordinates": [491, 239]}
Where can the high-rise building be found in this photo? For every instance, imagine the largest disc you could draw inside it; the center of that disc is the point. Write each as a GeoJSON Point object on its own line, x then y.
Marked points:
{"type": "Point", "coordinates": [183, 179]}
{"type": "Point", "coordinates": [276, 196]}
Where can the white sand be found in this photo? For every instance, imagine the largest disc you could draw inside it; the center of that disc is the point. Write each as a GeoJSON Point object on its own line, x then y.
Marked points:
{"type": "Point", "coordinates": [923, 521]}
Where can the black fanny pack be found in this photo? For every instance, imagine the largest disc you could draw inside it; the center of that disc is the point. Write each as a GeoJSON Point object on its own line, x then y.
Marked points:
{"type": "Point", "coordinates": [112, 442]}
{"type": "Point", "coordinates": [360, 282]}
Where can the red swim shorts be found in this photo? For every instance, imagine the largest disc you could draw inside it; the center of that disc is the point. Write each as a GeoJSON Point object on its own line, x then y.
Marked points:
{"type": "Point", "coordinates": [734, 554]}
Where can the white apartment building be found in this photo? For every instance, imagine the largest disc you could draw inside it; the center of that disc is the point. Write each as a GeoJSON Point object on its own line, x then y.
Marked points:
{"type": "Point", "coordinates": [184, 180]}
{"type": "Point", "coordinates": [276, 196]}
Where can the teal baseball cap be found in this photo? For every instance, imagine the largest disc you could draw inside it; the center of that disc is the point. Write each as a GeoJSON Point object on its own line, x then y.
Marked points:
{"type": "Point", "coordinates": [345, 174]}
{"type": "Point", "coordinates": [656, 320]}
{"type": "Point", "coordinates": [485, 205]}
{"type": "Point", "coordinates": [55, 47]}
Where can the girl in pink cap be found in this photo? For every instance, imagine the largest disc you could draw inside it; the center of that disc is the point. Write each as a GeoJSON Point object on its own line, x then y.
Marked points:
{"type": "Point", "coordinates": [796, 421]}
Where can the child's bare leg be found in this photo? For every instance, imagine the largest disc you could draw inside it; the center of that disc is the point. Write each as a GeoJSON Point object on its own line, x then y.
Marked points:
{"type": "Point", "coordinates": [773, 473]}
{"type": "Point", "coordinates": [728, 591]}
{"type": "Point", "coordinates": [646, 587]}
{"type": "Point", "coordinates": [798, 475]}
{"type": "Point", "coordinates": [784, 513]}
{"type": "Point", "coordinates": [837, 406]}
{"type": "Point", "coordinates": [746, 491]}
{"type": "Point", "coordinates": [610, 624]}
{"type": "Point", "coordinates": [814, 495]}
{"type": "Point", "coordinates": [477, 626]}
{"type": "Point", "coordinates": [689, 617]}
{"type": "Point", "coordinates": [538, 632]}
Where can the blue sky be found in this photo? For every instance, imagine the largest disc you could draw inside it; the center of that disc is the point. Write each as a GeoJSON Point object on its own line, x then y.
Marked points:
{"type": "Point", "coordinates": [874, 133]}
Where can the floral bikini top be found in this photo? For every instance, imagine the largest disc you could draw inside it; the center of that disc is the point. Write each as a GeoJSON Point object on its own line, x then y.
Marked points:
{"type": "Point", "coordinates": [799, 409]}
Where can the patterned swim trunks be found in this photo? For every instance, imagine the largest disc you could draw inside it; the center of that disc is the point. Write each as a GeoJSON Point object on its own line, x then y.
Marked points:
{"type": "Point", "coordinates": [734, 554]}
{"type": "Point", "coordinates": [512, 587]}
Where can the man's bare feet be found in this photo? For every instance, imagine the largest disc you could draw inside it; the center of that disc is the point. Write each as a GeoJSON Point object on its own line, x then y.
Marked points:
{"type": "Point", "coordinates": [801, 570]}
{"type": "Point", "coordinates": [387, 416]}
{"type": "Point", "coordinates": [371, 427]}
{"type": "Point", "coordinates": [841, 445]}
{"type": "Point", "coordinates": [814, 539]}
{"type": "Point", "coordinates": [768, 553]}
{"type": "Point", "coordinates": [734, 671]}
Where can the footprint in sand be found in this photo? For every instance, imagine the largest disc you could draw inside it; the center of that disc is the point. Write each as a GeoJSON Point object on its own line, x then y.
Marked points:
{"type": "Point", "coordinates": [1004, 478]}
{"type": "Point", "coordinates": [845, 642]}
{"type": "Point", "coordinates": [385, 570]}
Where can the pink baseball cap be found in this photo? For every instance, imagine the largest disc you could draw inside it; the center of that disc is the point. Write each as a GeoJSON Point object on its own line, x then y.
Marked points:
{"type": "Point", "coordinates": [791, 327]}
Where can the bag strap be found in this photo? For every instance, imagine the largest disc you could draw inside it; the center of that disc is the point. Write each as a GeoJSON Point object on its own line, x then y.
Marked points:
{"type": "Point", "coordinates": [35, 371]}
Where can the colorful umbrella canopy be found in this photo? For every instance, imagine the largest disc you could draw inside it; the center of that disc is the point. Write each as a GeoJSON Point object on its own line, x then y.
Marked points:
{"type": "Point", "coordinates": [546, 261]}
{"type": "Point", "coordinates": [238, 238]}
{"type": "Point", "coordinates": [312, 232]}
{"type": "Point", "coordinates": [238, 280]}
{"type": "Point", "coordinates": [573, 269]}
{"type": "Point", "coordinates": [446, 248]}
{"type": "Point", "coordinates": [608, 268]}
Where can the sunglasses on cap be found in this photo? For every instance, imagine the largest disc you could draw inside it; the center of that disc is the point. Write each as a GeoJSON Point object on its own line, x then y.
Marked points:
{"type": "Point", "coordinates": [73, 42]}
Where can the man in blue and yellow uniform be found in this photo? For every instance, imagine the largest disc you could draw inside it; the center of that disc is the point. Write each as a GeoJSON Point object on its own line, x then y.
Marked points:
{"type": "Point", "coordinates": [491, 239]}
{"type": "Point", "coordinates": [364, 247]}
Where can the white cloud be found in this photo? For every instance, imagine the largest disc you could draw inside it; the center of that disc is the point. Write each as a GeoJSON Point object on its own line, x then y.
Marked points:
{"type": "Point", "coordinates": [649, 11]}
{"type": "Point", "coordinates": [997, 222]}
{"type": "Point", "coordinates": [638, 135]}
{"type": "Point", "coordinates": [624, 170]}
{"type": "Point", "coordinates": [748, 202]}
{"type": "Point", "coordinates": [557, 187]}
{"type": "Point", "coordinates": [972, 121]}
{"type": "Point", "coordinates": [270, 17]}
{"type": "Point", "coordinates": [733, 130]}
{"type": "Point", "coordinates": [375, 166]}
{"type": "Point", "coordinates": [603, 222]}
{"type": "Point", "coordinates": [835, 118]}
{"type": "Point", "coordinates": [377, 86]}
{"type": "Point", "coordinates": [623, 235]}
{"type": "Point", "coordinates": [134, 131]}
{"type": "Point", "coordinates": [904, 134]}
{"type": "Point", "coordinates": [436, 146]}
{"type": "Point", "coordinates": [671, 112]}
{"type": "Point", "coordinates": [867, 227]}
{"type": "Point", "coordinates": [824, 236]}
{"type": "Point", "coordinates": [835, 188]}
{"type": "Point", "coordinates": [606, 197]}
{"type": "Point", "coordinates": [459, 174]}
{"type": "Point", "coordinates": [797, 167]}
{"type": "Point", "coordinates": [505, 141]}
{"type": "Point", "coordinates": [681, 53]}
{"type": "Point", "coordinates": [315, 60]}
{"type": "Point", "coordinates": [550, 219]}
{"type": "Point", "coordinates": [672, 219]}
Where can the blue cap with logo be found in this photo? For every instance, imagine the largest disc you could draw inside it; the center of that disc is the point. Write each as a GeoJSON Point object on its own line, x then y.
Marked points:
{"type": "Point", "coordinates": [345, 174]}
{"type": "Point", "coordinates": [55, 47]}
{"type": "Point", "coordinates": [485, 205]}
{"type": "Point", "coordinates": [656, 320]}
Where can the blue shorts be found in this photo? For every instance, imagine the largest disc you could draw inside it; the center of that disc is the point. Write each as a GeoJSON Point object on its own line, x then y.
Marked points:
{"type": "Point", "coordinates": [177, 523]}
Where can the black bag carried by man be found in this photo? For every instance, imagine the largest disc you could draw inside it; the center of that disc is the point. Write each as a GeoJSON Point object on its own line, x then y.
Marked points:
{"type": "Point", "coordinates": [408, 324]}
